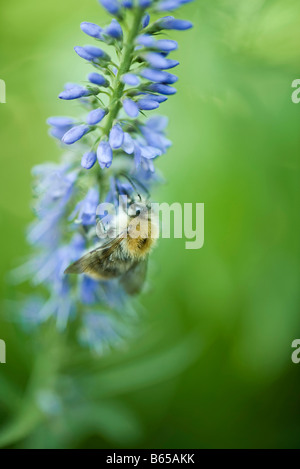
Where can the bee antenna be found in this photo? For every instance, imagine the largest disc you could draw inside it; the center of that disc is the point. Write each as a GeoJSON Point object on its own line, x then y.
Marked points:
{"type": "Point", "coordinates": [132, 184]}
{"type": "Point", "coordinates": [142, 186]}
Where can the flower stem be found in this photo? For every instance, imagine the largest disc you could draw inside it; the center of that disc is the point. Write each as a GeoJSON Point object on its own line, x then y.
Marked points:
{"type": "Point", "coordinates": [125, 64]}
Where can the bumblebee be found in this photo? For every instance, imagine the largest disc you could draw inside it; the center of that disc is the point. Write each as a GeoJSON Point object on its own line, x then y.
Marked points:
{"type": "Point", "coordinates": [126, 255]}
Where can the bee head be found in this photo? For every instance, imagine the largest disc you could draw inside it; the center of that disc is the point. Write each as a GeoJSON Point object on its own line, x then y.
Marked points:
{"type": "Point", "coordinates": [139, 209]}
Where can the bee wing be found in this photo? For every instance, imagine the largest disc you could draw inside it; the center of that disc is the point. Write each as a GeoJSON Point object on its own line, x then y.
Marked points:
{"type": "Point", "coordinates": [134, 279]}
{"type": "Point", "coordinates": [92, 263]}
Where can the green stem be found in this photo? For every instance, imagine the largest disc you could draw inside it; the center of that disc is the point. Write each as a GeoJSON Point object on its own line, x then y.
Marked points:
{"type": "Point", "coordinates": [125, 64]}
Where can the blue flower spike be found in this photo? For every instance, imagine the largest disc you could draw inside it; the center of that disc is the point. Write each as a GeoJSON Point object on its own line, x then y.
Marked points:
{"type": "Point", "coordinates": [114, 137]}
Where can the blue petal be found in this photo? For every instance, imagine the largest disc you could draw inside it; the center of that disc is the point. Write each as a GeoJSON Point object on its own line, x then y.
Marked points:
{"type": "Point", "coordinates": [137, 156]}
{"type": "Point", "coordinates": [131, 108]}
{"type": "Point", "coordinates": [146, 20]}
{"type": "Point", "coordinates": [91, 29]}
{"type": "Point", "coordinates": [112, 6]}
{"type": "Point", "coordinates": [96, 53]}
{"type": "Point", "coordinates": [146, 40]}
{"type": "Point", "coordinates": [88, 290]}
{"type": "Point", "coordinates": [162, 89]}
{"type": "Point", "coordinates": [69, 85]}
{"type": "Point", "coordinates": [60, 121]}
{"type": "Point", "coordinates": [75, 134]}
{"type": "Point", "coordinates": [127, 3]}
{"type": "Point", "coordinates": [169, 22]}
{"type": "Point", "coordinates": [114, 30]}
{"type": "Point", "coordinates": [75, 93]}
{"type": "Point", "coordinates": [83, 53]}
{"type": "Point", "coordinates": [85, 211]}
{"type": "Point", "coordinates": [128, 144]}
{"type": "Point", "coordinates": [149, 152]}
{"type": "Point", "coordinates": [96, 116]}
{"type": "Point", "coordinates": [88, 160]}
{"type": "Point", "coordinates": [170, 5]}
{"type": "Point", "coordinates": [131, 79]}
{"type": "Point", "coordinates": [157, 123]}
{"type": "Point", "coordinates": [158, 76]}
{"type": "Point", "coordinates": [116, 137]}
{"type": "Point", "coordinates": [145, 3]}
{"type": "Point", "coordinates": [154, 97]}
{"type": "Point", "coordinates": [98, 79]}
{"type": "Point", "coordinates": [166, 45]}
{"type": "Point", "coordinates": [104, 155]}
{"type": "Point", "coordinates": [155, 139]}
{"type": "Point", "coordinates": [147, 104]}
{"type": "Point", "coordinates": [156, 60]}
{"type": "Point", "coordinates": [59, 132]}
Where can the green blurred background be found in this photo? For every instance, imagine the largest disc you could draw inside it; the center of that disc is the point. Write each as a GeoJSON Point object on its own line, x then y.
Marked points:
{"type": "Point", "coordinates": [211, 365]}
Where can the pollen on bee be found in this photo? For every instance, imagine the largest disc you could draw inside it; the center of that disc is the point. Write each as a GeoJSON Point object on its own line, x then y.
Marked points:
{"type": "Point", "coordinates": [142, 235]}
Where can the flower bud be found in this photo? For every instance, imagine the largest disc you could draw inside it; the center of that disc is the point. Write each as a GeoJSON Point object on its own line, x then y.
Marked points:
{"type": "Point", "coordinates": [91, 29]}
{"type": "Point", "coordinates": [83, 53]}
{"type": "Point", "coordinates": [169, 22]}
{"type": "Point", "coordinates": [158, 61]}
{"type": "Point", "coordinates": [112, 6]}
{"type": "Point", "coordinates": [88, 160]}
{"type": "Point", "coordinates": [159, 76]}
{"type": "Point", "coordinates": [98, 79]}
{"type": "Point", "coordinates": [127, 3]}
{"type": "Point", "coordinates": [169, 5]}
{"type": "Point", "coordinates": [58, 121]}
{"type": "Point", "coordinates": [162, 89]}
{"type": "Point", "coordinates": [116, 137]}
{"type": "Point", "coordinates": [131, 79]}
{"type": "Point", "coordinates": [128, 144]}
{"type": "Point", "coordinates": [96, 116]}
{"type": "Point", "coordinates": [75, 134]}
{"type": "Point", "coordinates": [148, 105]}
{"type": "Point", "coordinates": [74, 93]}
{"type": "Point", "coordinates": [96, 53]}
{"type": "Point", "coordinates": [104, 155]}
{"type": "Point", "coordinates": [114, 30]}
{"type": "Point", "coordinates": [131, 108]}
{"type": "Point", "coordinates": [146, 20]}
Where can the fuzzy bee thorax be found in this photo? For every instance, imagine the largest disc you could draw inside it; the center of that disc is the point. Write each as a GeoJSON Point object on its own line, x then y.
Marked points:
{"type": "Point", "coordinates": [142, 234]}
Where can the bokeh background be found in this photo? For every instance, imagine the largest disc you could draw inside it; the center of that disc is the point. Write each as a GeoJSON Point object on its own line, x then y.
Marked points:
{"type": "Point", "coordinates": [210, 366]}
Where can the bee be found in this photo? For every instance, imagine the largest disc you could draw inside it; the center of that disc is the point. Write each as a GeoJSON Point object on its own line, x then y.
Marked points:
{"type": "Point", "coordinates": [125, 257]}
